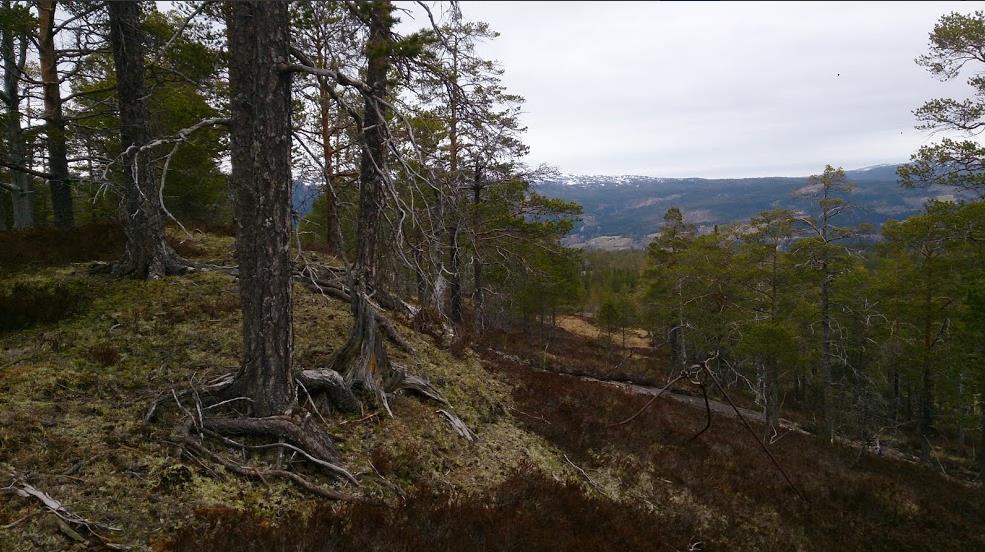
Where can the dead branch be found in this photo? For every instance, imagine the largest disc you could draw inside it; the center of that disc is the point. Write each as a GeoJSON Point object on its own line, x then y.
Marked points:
{"type": "Point", "coordinates": [582, 472]}
{"type": "Point", "coordinates": [193, 446]}
{"type": "Point", "coordinates": [651, 401]}
{"type": "Point", "coordinates": [738, 413]}
{"type": "Point", "coordinates": [70, 522]}
{"type": "Point", "coordinates": [459, 426]}
{"type": "Point", "coordinates": [212, 389]}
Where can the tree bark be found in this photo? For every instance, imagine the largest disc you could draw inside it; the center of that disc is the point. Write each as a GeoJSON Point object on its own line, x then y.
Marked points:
{"type": "Point", "coordinates": [455, 278]}
{"type": "Point", "coordinates": [147, 254]}
{"type": "Point", "coordinates": [333, 228]}
{"type": "Point", "coordinates": [981, 444]}
{"type": "Point", "coordinates": [827, 408]}
{"type": "Point", "coordinates": [22, 197]}
{"type": "Point", "coordinates": [259, 44]}
{"type": "Point", "coordinates": [477, 293]}
{"type": "Point", "coordinates": [61, 192]}
{"type": "Point", "coordinates": [363, 361]}
{"type": "Point", "coordinates": [772, 395]}
{"type": "Point", "coordinates": [455, 281]}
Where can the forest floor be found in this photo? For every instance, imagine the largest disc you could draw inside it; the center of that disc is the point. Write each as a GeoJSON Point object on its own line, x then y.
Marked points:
{"type": "Point", "coordinates": [81, 356]}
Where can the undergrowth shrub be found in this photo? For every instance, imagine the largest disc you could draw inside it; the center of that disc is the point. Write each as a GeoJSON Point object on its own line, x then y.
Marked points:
{"type": "Point", "coordinates": [724, 480]}
{"type": "Point", "coordinates": [46, 246]}
{"type": "Point", "coordinates": [565, 352]}
{"type": "Point", "coordinates": [528, 511]}
{"type": "Point", "coordinates": [20, 249]}
{"type": "Point", "coordinates": [27, 304]}
{"type": "Point", "coordinates": [104, 354]}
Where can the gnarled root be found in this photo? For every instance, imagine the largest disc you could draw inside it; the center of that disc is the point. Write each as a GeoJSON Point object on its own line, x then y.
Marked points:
{"type": "Point", "coordinates": [362, 361]}
{"type": "Point", "coordinates": [163, 262]}
{"type": "Point", "coordinates": [331, 385]}
{"type": "Point", "coordinates": [191, 446]}
{"type": "Point", "coordinates": [291, 434]}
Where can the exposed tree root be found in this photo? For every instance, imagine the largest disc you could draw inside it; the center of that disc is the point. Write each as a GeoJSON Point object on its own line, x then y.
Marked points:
{"type": "Point", "coordinates": [331, 384]}
{"type": "Point", "coordinates": [297, 436]}
{"type": "Point", "coordinates": [164, 262]}
{"type": "Point", "coordinates": [315, 443]}
{"type": "Point", "coordinates": [459, 426]}
{"type": "Point", "coordinates": [191, 446]}
{"type": "Point", "coordinates": [420, 386]}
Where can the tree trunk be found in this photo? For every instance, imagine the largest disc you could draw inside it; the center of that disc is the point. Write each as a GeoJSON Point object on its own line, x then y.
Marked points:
{"type": "Point", "coordinates": [455, 281]}
{"type": "Point", "coordinates": [827, 406]}
{"type": "Point", "coordinates": [147, 254]}
{"type": "Point", "coordinates": [477, 297]}
{"type": "Point", "coordinates": [259, 43]}
{"type": "Point", "coordinates": [61, 192]}
{"type": "Point", "coordinates": [22, 197]}
{"type": "Point", "coordinates": [333, 229]}
{"type": "Point", "coordinates": [925, 421]}
{"type": "Point", "coordinates": [772, 396]}
{"type": "Point", "coordinates": [981, 444]}
{"type": "Point", "coordinates": [363, 361]}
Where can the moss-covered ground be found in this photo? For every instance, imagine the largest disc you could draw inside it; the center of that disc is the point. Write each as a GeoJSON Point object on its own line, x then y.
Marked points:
{"type": "Point", "coordinates": [82, 355]}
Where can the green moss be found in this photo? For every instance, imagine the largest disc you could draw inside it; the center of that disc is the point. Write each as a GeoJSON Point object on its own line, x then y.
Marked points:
{"type": "Point", "coordinates": [70, 415]}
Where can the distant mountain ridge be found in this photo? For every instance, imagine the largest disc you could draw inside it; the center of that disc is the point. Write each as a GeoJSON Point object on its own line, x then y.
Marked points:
{"type": "Point", "coordinates": [623, 212]}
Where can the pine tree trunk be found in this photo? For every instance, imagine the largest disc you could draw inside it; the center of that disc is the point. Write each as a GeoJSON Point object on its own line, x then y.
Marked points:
{"type": "Point", "coordinates": [22, 196]}
{"type": "Point", "coordinates": [363, 361]}
{"type": "Point", "coordinates": [772, 396]}
{"type": "Point", "coordinates": [61, 192]}
{"type": "Point", "coordinates": [455, 281]}
{"type": "Point", "coordinates": [477, 294]}
{"type": "Point", "coordinates": [259, 43]}
{"type": "Point", "coordinates": [147, 254]}
{"type": "Point", "coordinates": [981, 444]}
{"type": "Point", "coordinates": [333, 229]}
{"type": "Point", "coordinates": [827, 406]}
{"type": "Point", "coordinates": [925, 421]}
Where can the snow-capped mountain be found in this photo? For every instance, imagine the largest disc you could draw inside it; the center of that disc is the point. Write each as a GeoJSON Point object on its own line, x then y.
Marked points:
{"type": "Point", "coordinates": [622, 212]}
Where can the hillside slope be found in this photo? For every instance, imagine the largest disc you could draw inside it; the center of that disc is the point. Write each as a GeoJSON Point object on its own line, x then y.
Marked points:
{"type": "Point", "coordinates": [551, 468]}
{"type": "Point", "coordinates": [621, 212]}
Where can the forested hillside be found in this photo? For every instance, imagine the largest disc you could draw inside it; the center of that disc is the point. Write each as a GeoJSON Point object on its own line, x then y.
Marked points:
{"type": "Point", "coordinates": [280, 276]}
{"type": "Point", "coordinates": [626, 212]}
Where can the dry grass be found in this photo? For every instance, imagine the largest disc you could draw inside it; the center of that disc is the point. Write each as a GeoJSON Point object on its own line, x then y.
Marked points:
{"type": "Point", "coordinates": [586, 327]}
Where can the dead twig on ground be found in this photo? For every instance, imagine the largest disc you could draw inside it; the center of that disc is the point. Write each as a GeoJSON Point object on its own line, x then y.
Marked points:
{"type": "Point", "coordinates": [69, 522]}
{"type": "Point", "coordinates": [585, 475]}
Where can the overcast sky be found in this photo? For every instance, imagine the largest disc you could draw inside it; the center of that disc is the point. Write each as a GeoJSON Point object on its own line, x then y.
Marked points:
{"type": "Point", "coordinates": [716, 90]}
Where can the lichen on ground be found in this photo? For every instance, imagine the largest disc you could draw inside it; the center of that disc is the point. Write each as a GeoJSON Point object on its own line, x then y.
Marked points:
{"type": "Point", "coordinates": [72, 392]}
